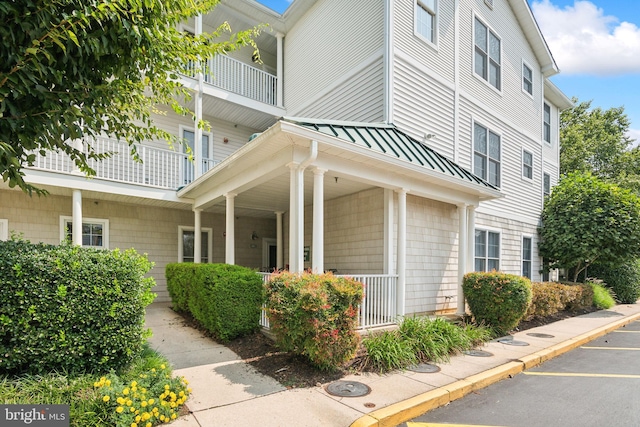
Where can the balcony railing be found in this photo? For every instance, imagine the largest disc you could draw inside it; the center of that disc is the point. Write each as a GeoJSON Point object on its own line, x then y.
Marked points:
{"type": "Point", "coordinates": [378, 307]}
{"type": "Point", "coordinates": [235, 76]}
{"type": "Point", "coordinates": [158, 167]}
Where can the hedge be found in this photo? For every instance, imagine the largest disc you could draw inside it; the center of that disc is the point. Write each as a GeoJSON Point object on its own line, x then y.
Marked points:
{"type": "Point", "coordinates": [225, 299]}
{"type": "Point", "coordinates": [71, 309]}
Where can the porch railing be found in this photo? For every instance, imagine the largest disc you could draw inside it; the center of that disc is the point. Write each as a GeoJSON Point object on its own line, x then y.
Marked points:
{"type": "Point", "coordinates": [378, 307]}
{"type": "Point", "coordinates": [235, 76]}
{"type": "Point", "coordinates": [158, 167]}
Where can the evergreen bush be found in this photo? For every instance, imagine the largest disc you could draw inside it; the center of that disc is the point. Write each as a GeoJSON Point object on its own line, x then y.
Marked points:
{"type": "Point", "coordinates": [315, 315]}
{"type": "Point", "coordinates": [623, 280]}
{"type": "Point", "coordinates": [71, 309]}
{"type": "Point", "coordinates": [497, 300]}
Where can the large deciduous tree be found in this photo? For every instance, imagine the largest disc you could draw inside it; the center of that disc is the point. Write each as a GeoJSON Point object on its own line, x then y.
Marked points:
{"type": "Point", "coordinates": [76, 68]}
{"type": "Point", "coordinates": [587, 220]}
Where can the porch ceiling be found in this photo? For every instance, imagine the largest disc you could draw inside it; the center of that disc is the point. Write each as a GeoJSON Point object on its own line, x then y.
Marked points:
{"type": "Point", "coordinates": [259, 172]}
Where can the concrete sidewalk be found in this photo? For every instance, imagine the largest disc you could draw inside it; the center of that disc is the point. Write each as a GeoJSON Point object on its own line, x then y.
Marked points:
{"type": "Point", "coordinates": [229, 392]}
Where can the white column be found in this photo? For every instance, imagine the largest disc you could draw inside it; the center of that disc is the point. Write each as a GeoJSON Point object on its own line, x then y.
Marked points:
{"type": "Point", "coordinates": [293, 219]}
{"type": "Point", "coordinates": [279, 71]}
{"type": "Point", "coordinates": [402, 251]}
{"type": "Point", "coordinates": [317, 252]}
{"type": "Point", "coordinates": [462, 253]}
{"type": "Point", "coordinates": [388, 231]}
{"type": "Point", "coordinates": [300, 220]}
{"type": "Point", "coordinates": [471, 237]}
{"type": "Point", "coordinates": [76, 220]}
{"type": "Point", "coordinates": [197, 156]}
{"type": "Point", "coordinates": [230, 243]}
{"type": "Point", "coordinates": [197, 236]}
{"type": "Point", "coordinates": [279, 242]}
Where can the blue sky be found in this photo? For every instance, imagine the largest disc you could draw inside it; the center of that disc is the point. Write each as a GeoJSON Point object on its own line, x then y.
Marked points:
{"type": "Point", "coordinates": [596, 44]}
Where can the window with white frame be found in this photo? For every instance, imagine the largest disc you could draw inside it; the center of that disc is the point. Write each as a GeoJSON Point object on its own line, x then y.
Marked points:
{"type": "Point", "coordinates": [426, 19]}
{"type": "Point", "coordinates": [527, 79]}
{"type": "Point", "coordinates": [95, 232]}
{"type": "Point", "coordinates": [487, 250]}
{"type": "Point", "coordinates": [486, 154]}
{"type": "Point", "coordinates": [487, 58]}
{"type": "Point", "coordinates": [546, 185]}
{"type": "Point", "coordinates": [4, 229]}
{"type": "Point", "coordinates": [527, 248]}
{"type": "Point", "coordinates": [527, 164]}
{"type": "Point", "coordinates": [186, 244]}
{"type": "Point", "coordinates": [547, 123]}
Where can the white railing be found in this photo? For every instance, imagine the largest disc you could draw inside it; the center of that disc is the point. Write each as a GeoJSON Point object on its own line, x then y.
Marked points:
{"type": "Point", "coordinates": [235, 76]}
{"type": "Point", "coordinates": [378, 307]}
{"type": "Point", "coordinates": [158, 167]}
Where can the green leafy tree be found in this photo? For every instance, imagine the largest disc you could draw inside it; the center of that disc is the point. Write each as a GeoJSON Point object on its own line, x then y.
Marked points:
{"type": "Point", "coordinates": [71, 69]}
{"type": "Point", "coordinates": [587, 220]}
{"type": "Point", "coordinates": [596, 141]}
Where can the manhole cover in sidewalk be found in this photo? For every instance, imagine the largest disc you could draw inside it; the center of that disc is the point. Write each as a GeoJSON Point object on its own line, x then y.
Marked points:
{"type": "Point", "coordinates": [424, 368]}
{"type": "Point", "coordinates": [539, 335]}
{"type": "Point", "coordinates": [348, 389]}
{"type": "Point", "coordinates": [477, 353]}
{"type": "Point", "coordinates": [511, 341]}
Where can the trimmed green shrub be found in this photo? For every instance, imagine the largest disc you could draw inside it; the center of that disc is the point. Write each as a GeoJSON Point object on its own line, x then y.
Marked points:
{"type": "Point", "coordinates": [548, 298]}
{"type": "Point", "coordinates": [496, 299]}
{"type": "Point", "coordinates": [315, 315]}
{"type": "Point", "coordinates": [225, 299]}
{"type": "Point", "coordinates": [624, 280]}
{"type": "Point", "coordinates": [71, 309]}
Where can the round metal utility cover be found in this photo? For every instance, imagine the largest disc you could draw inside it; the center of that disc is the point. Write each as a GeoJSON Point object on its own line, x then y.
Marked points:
{"type": "Point", "coordinates": [509, 341]}
{"type": "Point", "coordinates": [348, 389]}
{"type": "Point", "coordinates": [478, 353]}
{"type": "Point", "coordinates": [539, 335]}
{"type": "Point", "coordinates": [424, 368]}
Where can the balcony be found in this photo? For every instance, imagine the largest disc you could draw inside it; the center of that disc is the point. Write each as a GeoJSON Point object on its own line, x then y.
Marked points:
{"type": "Point", "coordinates": [158, 168]}
{"type": "Point", "coordinates": [237, 77]}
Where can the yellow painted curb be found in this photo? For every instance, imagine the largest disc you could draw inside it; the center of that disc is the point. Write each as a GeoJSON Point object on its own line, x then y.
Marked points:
{"type": "Point", "coordinates": [406, 410]}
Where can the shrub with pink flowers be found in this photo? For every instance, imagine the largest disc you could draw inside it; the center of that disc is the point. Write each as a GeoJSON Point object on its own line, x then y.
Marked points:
{"type": "Point", "coordinates": [315, 315]}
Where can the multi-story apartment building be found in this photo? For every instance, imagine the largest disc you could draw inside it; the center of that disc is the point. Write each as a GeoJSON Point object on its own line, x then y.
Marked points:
{"type": "Point", "coordinates": [404, 142]}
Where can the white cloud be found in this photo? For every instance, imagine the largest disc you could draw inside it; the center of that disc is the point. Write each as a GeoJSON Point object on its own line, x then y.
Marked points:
{"type": "Point", "coordinates": [583, 40]}
{"type": "Point", "coordinates": [634, 134]}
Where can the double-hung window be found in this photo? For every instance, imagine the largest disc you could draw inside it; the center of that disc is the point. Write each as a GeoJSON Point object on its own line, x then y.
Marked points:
{"type": "Point", "coordinates": [527, 164]}
{"type": "Point", "coordinates": [547, 123]}
{"type": "Point", "coordinates": [527, 79]}
{"type": "Point", "coordinates": [487, 250]}
{"type": "Point", "coordinates": [426, 22]}
{"type": "Point", "coordinates": [486, 154]}
{"type": "Point", "coordinates": [95, 232]}
{"type": "Point", "coordinates": [527, 247]}
{"type": "Point", "coordinates": [546, 185]}
{"type": "Point", "coordinates": [487, 59]}
{"type": "Point", "coordinates": [186, 244]}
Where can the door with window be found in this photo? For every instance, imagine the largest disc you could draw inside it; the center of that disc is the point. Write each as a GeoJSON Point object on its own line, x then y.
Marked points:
{"type": "Point", "coordinates": [189, 147]}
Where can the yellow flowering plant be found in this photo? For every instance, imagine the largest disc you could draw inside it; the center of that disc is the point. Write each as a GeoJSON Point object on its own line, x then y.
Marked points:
{"type": "Point", "coordinates": [154, 398]}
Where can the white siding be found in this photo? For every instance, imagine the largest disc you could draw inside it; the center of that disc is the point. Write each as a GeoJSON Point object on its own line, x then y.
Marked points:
{"type": "Point", "coordinates": [327, 43]}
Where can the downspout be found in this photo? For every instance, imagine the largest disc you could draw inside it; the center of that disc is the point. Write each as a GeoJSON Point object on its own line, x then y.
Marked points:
{"type": "Point", "coordinates": [456, 81]}
{"type": "Point", "coordinates": [387, 58]}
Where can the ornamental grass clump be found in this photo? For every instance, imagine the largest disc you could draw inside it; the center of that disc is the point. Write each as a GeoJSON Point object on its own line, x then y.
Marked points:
{"type": "Point", "coordinates": [497, 300]}
{"type": "Point", "coordinates": [315, 315]}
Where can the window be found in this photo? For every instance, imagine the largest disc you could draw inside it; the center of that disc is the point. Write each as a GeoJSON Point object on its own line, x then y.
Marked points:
{"type": "Point", "coordinates": [426, 24]}
{"type": "Point", "coordinates": [487, 251]}
{"type": "Point", "coordinates": [4, 229]}
{"type": "Point", "coordinates": [486, 154]}
{"type": "Point", "coordinates": [186, 236]}
{"type": "Point", "coordinates": [526, 256]}
{"type": "Point", "coordinates": [546, 184]}
{"type": "Point", "coordinates": [189, 137]}
{"type": "Point", "coordinates": [95, 232]}
{"type": "Point", "coordinates": [547, 123]}
{"type": "Point", "coordinates": [527, 164]}
{"type": "Point", "coordinates": [487, 55]}
{"type": "Point", "coordinates": [527, 79]}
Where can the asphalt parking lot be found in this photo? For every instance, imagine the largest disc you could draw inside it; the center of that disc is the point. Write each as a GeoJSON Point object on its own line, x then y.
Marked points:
{"type": "Point", "coordinates": [594, 385]}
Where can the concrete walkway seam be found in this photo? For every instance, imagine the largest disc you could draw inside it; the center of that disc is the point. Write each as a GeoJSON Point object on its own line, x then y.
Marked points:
{"type": "Point", "coordinates": [408, 409]}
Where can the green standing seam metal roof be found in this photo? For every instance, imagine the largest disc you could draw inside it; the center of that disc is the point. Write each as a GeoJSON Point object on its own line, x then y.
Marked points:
{"type": "Point", "coordinates": [389, 140]}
